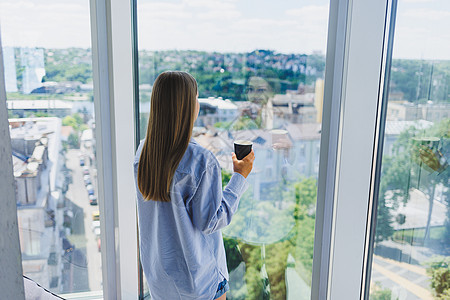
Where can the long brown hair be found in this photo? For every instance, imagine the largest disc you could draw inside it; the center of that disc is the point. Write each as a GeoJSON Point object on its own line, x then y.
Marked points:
{"type": "Point", "coordinates": [173, 111]}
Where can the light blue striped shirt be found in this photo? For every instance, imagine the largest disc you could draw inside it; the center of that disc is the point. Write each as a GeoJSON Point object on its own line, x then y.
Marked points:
{"type": "Point", "coordinates": [181, 246]}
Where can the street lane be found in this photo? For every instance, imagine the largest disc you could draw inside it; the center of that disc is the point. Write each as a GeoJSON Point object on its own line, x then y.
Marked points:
{"type": "Point", "coordinates": [83, 236]}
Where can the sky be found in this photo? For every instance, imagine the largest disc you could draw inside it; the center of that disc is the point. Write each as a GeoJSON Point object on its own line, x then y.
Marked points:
{"type": "Point", "coordinates": [288, 26]}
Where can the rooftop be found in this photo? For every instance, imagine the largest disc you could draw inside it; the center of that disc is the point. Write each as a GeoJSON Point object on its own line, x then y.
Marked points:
{"type": "Point", "coordinates": [38, 104]}
{"type": "Point", "coordinates": [31, 127]}
{"type": "Point", "coordinates": [397, 127]}
{"type": "Point", "coordinates": [218, 102]}
{"type": "Point", "coordinates": [47, 131]}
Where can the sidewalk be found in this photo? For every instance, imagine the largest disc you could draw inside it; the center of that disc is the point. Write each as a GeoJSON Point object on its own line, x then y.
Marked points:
{"type": "Point", "coordinates": [405, 280]}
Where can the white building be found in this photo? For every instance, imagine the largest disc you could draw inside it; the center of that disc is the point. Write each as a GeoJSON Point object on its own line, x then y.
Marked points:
{"type": "Point", "coordinates": [36, 145]}
{"type": "Point", "coordinates": [54, 107]}
{"type": "Point", "coordinates": [10, 70]}
{"type": "Point", "coordinates": [32, 60]}
{"type": "Point", "coordinates": [301, 154]}
{"type": "Point", "coordinates": [407, 111]}
{"type": "Point", "coordinates": [295, 108]}
{"type": "Point", "coordinates": [395, 128]}
{"type": "Point", "coordinates": [214, 110]}
{"type": "Point", "coordinates": [306, 144]}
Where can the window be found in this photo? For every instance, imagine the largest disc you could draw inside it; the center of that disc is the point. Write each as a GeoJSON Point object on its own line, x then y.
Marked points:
{"type": "Point", "coordinates": [347, 138]}
{"type": "Point", "coordinates": [412, 235]}
{"type": "Point", "coordinates": [48, 76]}
{"type": "Point", "coordinates": [302, 150]}
{"type": "Point", "coordinates": [265, 62]}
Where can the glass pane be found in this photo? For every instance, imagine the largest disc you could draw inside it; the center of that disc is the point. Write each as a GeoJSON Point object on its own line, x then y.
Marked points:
{"type": "Point", "coordinates": [260, 71]}
{"type": "Point", "coordinates": [48, 72]}
{"type": "Point", "coordinates": [412, 241]}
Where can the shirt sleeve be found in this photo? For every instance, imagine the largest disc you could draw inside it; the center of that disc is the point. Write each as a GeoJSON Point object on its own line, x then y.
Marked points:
{"type": "Point", "coordinates": [212, 208]}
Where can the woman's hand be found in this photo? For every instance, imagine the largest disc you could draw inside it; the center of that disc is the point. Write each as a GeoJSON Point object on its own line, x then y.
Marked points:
{"type": "Point", "coordinates": [244, 166]}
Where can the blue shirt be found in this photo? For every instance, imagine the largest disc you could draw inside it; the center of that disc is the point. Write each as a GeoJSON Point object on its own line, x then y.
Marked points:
{"type": "Point", "coordinates": [181, 245]}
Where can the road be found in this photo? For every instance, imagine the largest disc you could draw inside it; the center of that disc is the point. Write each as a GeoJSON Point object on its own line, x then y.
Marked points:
{"type": "Point", "coordinates": [85, 272]}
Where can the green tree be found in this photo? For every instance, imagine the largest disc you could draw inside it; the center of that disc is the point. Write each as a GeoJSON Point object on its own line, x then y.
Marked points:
{"type": "Point", "coordinates": [269, 282]}
{"type": "Point", "coordinates": [41, 114]}
{"type": "Point", "coordinates": [412, 166]}
{"type": "Point", "coordinates": [420, 79]}
{"type": "Point", "coordinates": [436, 170]}
{"type": "Point", "coordinates": [439, 271]}
{"type": "Point", "coordinates": [395, 181]}
{"type": "Point", "coordinates": [378, 293]}
{"type": "Point", "coordinates": [226, 177]}
{"type": "Point", "coordinates": [74, 120]}
{"type": "Point", "coordinates": [11, 115]}
{"type": "Point", "coordinates": [394, 189]}
{"type": "Point", "coordinates": [77, 123]}
{"type": "Point", "coordinates": [73, 140]}
{"type": "Point", "coordinates": [70, 121]}
{"type": "Point", "coordinates": [71, 64]}
{"type": "Point", "coordinates": [223, 125]}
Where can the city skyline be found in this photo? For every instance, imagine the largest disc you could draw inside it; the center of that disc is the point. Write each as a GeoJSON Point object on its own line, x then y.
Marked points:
{"type": "Point", "coordinates": [295, 27]}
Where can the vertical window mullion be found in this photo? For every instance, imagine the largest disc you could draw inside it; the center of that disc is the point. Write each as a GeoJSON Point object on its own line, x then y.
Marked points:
{"type": "Point", "coordinates": [113, 82]}
{"type": "Point", "coordinates": [100, 71]}
{"type": "Point", "coordinates": [360, 99]}
{"type": "Point", "coordinates": [329, 145]}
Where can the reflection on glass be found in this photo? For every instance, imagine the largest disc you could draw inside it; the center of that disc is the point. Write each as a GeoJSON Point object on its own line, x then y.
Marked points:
{"type": "Point", "coordinates": [51, 117]}
{"type": "Point", "coordinates": [412, 242]}
{"type": "Point", "coordinates": [272, 98]}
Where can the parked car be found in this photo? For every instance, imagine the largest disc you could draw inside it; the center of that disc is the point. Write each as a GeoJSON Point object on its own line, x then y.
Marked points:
{"type": "Point", "coordinates": [85, 170]}
{"type": "Point", "coordinates": [96, 215]}
{"type": "Point", "coordinates": [97, 231]}
{"type": "Point", "coordinates": [95, 225]}
{"type": "Point", "coordinates": [86, 178]}
{"type": "Point", "coordinates": [90, 189]}
{"type": "Point", "coordinates": [92, 200]}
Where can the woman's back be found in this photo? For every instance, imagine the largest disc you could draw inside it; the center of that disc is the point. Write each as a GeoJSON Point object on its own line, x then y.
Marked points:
{"type": "Point", "coordinates": [181, 245]}
{"type": "Point", "coordinates": [181, 205]}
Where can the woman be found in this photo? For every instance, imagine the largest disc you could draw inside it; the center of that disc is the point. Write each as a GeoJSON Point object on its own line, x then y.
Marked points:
{"type": "Point", "coordinates": [181, 205]}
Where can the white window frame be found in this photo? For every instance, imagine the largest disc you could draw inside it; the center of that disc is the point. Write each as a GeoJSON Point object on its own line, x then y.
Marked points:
{"type": "Point", "coordinates": [114, 113]}
{"type": "Point", "coordinates": [356, 35]}
{"type": "Point", "coordinates": [113, 94]}
{"type": "Point", "coordinates": [349, 145]}
{"type": "Point", "coordinates": [350, 133]}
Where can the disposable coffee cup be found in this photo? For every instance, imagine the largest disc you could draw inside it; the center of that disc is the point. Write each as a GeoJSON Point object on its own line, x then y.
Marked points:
{"type": "Point", "coordinates": [242, 148]}
{"type": "Point", "coordinates": [279, 136]}
{"type": "Point", "coordinates": [280, 139]}
{"type": "Point", "coordinates": [430, 142]}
